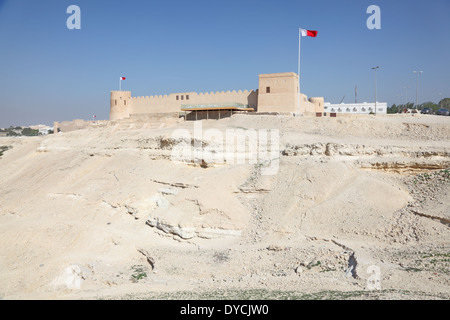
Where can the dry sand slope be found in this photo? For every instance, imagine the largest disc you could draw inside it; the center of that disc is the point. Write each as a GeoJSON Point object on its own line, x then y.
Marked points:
{"type": "Point", "coordinates": [358, 208]}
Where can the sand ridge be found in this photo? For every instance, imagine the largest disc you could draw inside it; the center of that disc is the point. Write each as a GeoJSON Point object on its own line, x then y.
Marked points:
{"type": "Point", "coordinates": [105, 213]}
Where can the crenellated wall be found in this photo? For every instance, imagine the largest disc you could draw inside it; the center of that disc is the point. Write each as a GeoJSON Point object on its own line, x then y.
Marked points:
{"type": "Point", "coordinates": [277, 92]}
{"type": "Point", "coordinates": [174, 101]}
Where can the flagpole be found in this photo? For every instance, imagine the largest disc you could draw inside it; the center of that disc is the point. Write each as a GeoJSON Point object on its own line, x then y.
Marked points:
{"type": "Point", "coordinates": [120, 84]}
{"type": "Point", "coordinates": [299, 41]}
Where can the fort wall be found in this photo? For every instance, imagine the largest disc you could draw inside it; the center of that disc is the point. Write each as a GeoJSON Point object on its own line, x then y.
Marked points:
{"type": "Point", "coordinates": [77, 124]}
{"type": "Point", "coordinates": [174, 101]}
{"type": "Point", "coordinates": [277, 92]}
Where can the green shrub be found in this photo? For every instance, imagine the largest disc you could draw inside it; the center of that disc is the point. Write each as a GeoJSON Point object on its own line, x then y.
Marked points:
{"type": "Point", "coordinates": [30, 132]}
{"type": "Point", "coordinates": [3, 149]}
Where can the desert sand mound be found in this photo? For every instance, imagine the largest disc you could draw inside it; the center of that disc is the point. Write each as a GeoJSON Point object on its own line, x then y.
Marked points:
{"type": "Point", "coordinates": [351, 208]}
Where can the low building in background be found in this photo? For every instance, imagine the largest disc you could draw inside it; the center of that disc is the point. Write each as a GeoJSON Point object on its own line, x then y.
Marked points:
{"type": "Point", "coordinates": [43, 129]}
{"type": "Point", "coordinates": [356, 108]}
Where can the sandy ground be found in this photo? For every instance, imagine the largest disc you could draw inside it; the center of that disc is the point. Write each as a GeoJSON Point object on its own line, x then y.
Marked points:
{"type": "Point", "coordinates": [355, 209]}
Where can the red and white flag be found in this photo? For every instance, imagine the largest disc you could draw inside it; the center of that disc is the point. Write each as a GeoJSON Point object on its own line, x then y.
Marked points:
{"type": "Point", "coordinates": [122, 78]}
{"type": "Point", "coordinates": [308, 33]}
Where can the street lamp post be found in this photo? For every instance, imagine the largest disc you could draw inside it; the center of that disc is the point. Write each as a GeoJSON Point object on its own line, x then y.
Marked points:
{"type": "Point", "coordinates": [440, 101]}
{"type": "Point", "coordinates": [399, 100]}
{"type": "Point", "coordinates": [406, 96]}
{"type": "Point", "coordinates": [417, 87]}
{"type": "Point", "coordinates": [375, 68]}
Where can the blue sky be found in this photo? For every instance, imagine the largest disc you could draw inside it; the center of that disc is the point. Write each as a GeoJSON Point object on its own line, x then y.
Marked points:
{"type": "Point", "coordinates": [50, 73]}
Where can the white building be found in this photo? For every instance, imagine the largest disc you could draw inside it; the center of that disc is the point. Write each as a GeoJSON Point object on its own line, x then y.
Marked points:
{"type": "Point", "coordinates": [356, 108]}
{"type": "Point", "coordinates": [43, 129]}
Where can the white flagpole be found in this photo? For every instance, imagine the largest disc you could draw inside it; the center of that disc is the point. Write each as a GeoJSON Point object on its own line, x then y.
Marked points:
{"type": "Point", "coordinates": [299, 41]}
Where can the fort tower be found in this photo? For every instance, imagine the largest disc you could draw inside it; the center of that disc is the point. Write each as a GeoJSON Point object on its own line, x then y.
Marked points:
{"type": "Point", "coordinates": [120, 105]}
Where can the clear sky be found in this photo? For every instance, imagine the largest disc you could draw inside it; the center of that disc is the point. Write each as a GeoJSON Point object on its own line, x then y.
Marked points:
{"type": "Point", "coordinates": [50, 73]}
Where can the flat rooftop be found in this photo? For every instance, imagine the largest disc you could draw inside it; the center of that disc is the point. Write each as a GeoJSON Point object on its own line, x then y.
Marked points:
{"type": "Point", "coordinates": [216, 106]}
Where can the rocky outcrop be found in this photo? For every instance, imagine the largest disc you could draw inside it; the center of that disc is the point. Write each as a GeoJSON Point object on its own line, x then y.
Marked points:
{"type": "Point", "coordinates": [336, 149]}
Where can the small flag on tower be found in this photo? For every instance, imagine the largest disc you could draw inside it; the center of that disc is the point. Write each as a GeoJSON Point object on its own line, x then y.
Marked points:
{"type": "Point", "coordinates": [308, 33]}
{"type": "Point", "coordinates": [120, 83]}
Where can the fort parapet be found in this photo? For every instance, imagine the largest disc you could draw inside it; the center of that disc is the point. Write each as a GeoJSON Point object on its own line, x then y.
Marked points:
{"type": "Point", "coordinates": [277, 92]}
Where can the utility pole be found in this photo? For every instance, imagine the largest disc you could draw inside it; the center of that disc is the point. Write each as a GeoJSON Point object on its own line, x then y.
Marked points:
{"type": "Point", "coordinates": [417, 87]}
{"type": "Point", "coordinates": [375, 68]}
{"type": "Point", "coordinates": [399, 100]}
{"type": "Point", "coordinates": [406, 96]}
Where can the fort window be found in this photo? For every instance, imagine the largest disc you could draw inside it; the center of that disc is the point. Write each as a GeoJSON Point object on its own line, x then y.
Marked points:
{"type": "Point", "coordinates": [187, 97]}
{"type": "Point", "coordinates": [115, 102]}
{"type": "Point", "coordinates": [267, 89]}
{"type": "Point", "coordinates": [178, 97]}
{"type": "Point", "coordinates": [125, 102]}
{"type": "Point", "coordinates": [182, 97]}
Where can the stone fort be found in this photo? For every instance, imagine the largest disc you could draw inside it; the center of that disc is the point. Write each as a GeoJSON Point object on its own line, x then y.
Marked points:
{"type": "Point", "coordinates": [276, 93]}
